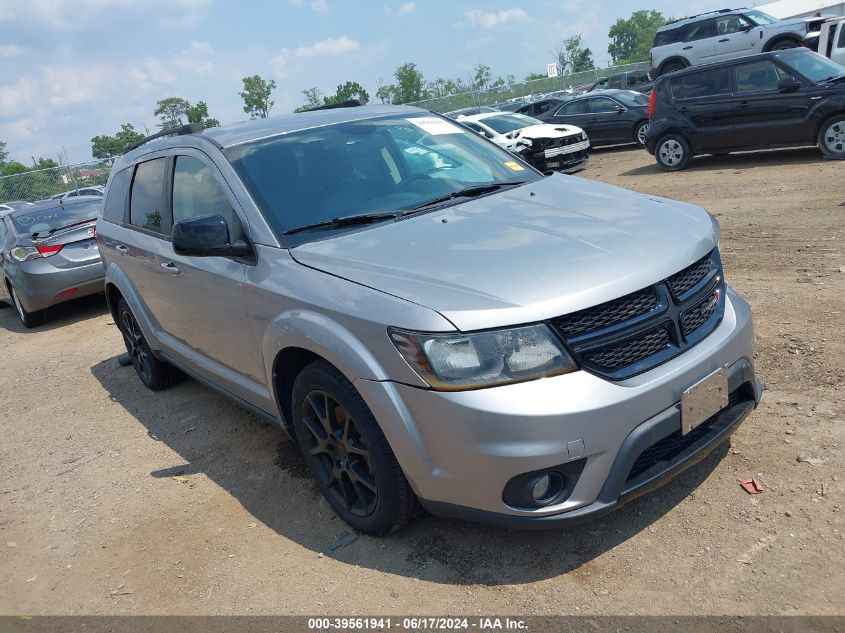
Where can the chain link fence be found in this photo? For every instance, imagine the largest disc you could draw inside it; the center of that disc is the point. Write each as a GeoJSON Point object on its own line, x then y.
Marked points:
{"type": "Point", "coordinates": [522, 90]}
{"type": "Point", "coordinates": [40, 184]}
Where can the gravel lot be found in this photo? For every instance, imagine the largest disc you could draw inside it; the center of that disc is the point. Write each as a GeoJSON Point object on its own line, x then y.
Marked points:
{"type": "Point", "coordinates": [115, 500]}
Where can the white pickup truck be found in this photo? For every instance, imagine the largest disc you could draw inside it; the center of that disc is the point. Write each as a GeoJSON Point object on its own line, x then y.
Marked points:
{"type": "Point", "coordinates": [829, 40]}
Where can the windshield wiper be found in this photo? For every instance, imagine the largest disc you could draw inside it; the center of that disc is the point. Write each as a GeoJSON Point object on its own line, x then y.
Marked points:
{"type": "Point", "coordinates": [836, 79]}
{"type": "Point", "coordinates": [467, 192]}
{"type": "Point", "coordinates": [38, 234]}
{"type": "Point", "coordinates": [350, 220]}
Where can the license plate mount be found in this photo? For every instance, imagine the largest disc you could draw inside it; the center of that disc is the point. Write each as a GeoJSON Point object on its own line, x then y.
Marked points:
{"type": "Point", "coordinates": [704, 399]}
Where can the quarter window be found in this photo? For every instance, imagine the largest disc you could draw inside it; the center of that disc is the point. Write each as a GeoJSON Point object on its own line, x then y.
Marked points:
{"type": "Point", "coordinates": [196, 192]}
{"type": "Point", "coordinates": [145, 201]}
{"type": "Point", "coordinates": [758, 76]}
{"type": "Point", "coordinates": [114, 208]}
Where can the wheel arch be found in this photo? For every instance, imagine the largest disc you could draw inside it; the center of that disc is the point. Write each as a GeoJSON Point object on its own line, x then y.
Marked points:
{"type": "Point", "coordinates": [777, 39]}
{"type": "Point", "coordinates": [824, 120]}
{"type": "Point", "coordinates": [669, 60]}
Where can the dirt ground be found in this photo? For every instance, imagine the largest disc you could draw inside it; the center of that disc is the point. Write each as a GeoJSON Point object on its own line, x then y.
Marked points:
{"type": "Point", "coordinates": [115, 500]}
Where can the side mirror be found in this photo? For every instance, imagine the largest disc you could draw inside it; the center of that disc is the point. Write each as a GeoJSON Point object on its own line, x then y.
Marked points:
{"type": "Point", "coordinates": [745, 28]}
{"type": "Point", "coordinates": [206, 236]}
{"type": "Point", "coordinates": [788, 84]}
{"type": "Point", "coordinates": [619, 109]}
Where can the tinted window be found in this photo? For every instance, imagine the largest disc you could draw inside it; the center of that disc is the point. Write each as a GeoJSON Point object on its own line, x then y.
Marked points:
{"type": "Point", "coordinates": [544, 107]}
{"type": "Point", "coordinates": [630, 98]}
{"type": "Point", "coordinates": [617, 82]}
{"type": "Point", "coordinates": [714, 82]}
{"type": "Point", "coordinates": [813, 66]}
{"type": "Point", "coordinates": [758, 76]}
{"type": "Point", "coordinates": [699, 31]}
{"type": "Point", "coordinates": [670, 36]}
{"type": "Point", "coordinates": [574, 107]}
{"type": "Point", "coordinates": [54, 216]}
{"type": "Point", "coordinates": [145, 200]}
{"type": "Point", "coordinates": [841, 43]}
{"type": "Point", "coordinates": [602, 104]}
{"type": "Point", "coordinates": [197, 192]}
{"type": "Point", "coordinates": [114, 208]}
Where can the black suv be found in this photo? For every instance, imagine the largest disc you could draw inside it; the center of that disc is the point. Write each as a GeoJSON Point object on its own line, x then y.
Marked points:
{"type": "Point", "coordinates": [779, 99]}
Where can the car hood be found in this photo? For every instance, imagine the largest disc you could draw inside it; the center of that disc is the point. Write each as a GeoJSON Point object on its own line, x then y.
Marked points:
{"type": "Point", "coordinates": [547, 130]}
{"type": "Point", "coordinates": [527, 254]}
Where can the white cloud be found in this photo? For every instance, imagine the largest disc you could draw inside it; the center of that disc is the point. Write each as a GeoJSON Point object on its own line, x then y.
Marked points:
{"type": "Point", "coordinates": [87, 14]}
{"type": "Point", "coordinates": [196, 59]}
{"type": "Point", "coordinates": [407, 8]}
{"type": "Point", "coordinates": [320, 6]}
{"type": "Point", "coordinates": [16, 98]}
{"type": "Point", "coordinates": [11, 50]}
{"type": "Point", "coordinates": [490, 19]}
{"type": "Point", "coordinates": [328, 46]}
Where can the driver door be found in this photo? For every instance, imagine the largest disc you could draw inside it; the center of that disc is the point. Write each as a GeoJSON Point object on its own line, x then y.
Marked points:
{"type": "Point", "coordinates": [735, 37]}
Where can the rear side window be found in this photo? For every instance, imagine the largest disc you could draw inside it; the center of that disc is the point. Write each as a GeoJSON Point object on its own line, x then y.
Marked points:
{"type": "Point", "coordinates": [145, 199]}
{"type": "Point", "coordinates": [575, 107]}
{"type": "Point", "coordinates": [669, 36]}
{"type": "Point", "coordinates": [699, 31]}
{"type": "Point", "coordinates": [709, 84]}
{"type": "Point", "coordinates": [757, 77]}
{"type": "Point", "coordinates": [617, 82]}
{"type": "Point", "coordinates": [196, 192]}
{"type": "Point", "coordinates": [114, 208]}
{"type": "Point", "coordinates": [841, 43]}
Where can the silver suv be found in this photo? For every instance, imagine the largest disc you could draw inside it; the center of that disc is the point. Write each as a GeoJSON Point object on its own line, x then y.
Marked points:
{"type": "Point", "coordinates": [721, 35]}
{"type": "Point", "coordinates": [433, 321]}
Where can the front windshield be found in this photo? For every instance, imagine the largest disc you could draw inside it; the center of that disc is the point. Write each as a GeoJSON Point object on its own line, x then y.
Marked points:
{"type": "Point", "coordinates": [761, 18]}
{"type": "Point", "coordinates": [377, 165]}
{"type": "Point", "coordinates": [56, 217]}
{"type": "Point", "coordinates": [504, 123]}
{"type": "Point", "coordinates": [813, 66]}
{"type": "Point", "coordinates": [631, 98]}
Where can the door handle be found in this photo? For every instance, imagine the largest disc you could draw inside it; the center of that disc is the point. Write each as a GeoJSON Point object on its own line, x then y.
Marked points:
{"type": "Point", "coordinates": [170, 267]}
{"type": "Point", "coordinates": [727, 39]}
{"type": "Point", "coordinates": [686, 48]}
{"type": "Point", "coordinates": [122, 249]}
{"type": "Point", "coordinates": [743, 104]}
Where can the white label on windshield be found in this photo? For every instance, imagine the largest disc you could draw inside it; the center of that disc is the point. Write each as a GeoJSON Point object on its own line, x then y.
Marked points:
{"type": "Point", "coordinates": [434, 126]}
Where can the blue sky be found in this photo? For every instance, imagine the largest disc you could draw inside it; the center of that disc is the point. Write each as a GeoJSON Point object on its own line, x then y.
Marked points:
{"type": "Point", "coordinates": [72, 69]}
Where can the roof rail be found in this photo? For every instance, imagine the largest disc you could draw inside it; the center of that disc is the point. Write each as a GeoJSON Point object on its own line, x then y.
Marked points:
{"type": "Point", "coordinates": [349, 103]}
{"type": "Point", "coordinates": [190, 128]}
{"type": "Point", "coordinates": [699, 15]}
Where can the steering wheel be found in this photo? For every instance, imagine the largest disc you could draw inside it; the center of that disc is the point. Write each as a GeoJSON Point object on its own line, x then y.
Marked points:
{"type": "Point", "coordinates": [412, 179]}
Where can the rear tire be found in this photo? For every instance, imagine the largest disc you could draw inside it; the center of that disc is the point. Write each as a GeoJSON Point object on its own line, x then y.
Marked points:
{"type": "Point", "coordinates": [672, 152]}
{"type": "Point", "coordinates": [154, 373]}
{"type": "Point", "coordinates": [29, 319]}
{"type": "Point", "coordinates": [832, 137]}
{"type": "Point", "coordinates": [347, 453]}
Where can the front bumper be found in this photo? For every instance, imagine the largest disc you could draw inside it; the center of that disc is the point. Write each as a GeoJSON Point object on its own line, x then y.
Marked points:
{"type": "Point", "coordinates": [459, 450]}
{"type": "Point", "coordinates": [40, 285]}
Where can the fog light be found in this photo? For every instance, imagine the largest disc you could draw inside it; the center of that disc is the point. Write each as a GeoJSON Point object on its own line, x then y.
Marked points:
{"type": "Point", "coordinates": [541, 488]}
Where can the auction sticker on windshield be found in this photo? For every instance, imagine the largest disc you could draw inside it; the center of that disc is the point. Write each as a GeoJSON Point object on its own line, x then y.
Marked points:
{"type": "Point", "coordinates": [434, 126]}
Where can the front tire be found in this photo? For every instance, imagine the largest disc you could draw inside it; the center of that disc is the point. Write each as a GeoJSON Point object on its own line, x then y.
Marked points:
{"type": "Point", "coordinates": [29, 319]}
{"type": "Point", "coordinates": [673, 152]}
{"type": "Point", "coordinates": [832, 138]}
{"type": "Point", "coordinates": [640, 132]}
{"type": "Point", "coordinates": [154, 373]}
{"type": "Point", "coordinates": [347, 453]}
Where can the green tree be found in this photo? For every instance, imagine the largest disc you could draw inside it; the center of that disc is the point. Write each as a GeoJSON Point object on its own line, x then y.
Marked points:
{"type": "Point", "coordinates": [199, 114]}
{"type": "Point", "coordinates": [256, 96]}
{"type": "Point", "coordinates": [313, 99]}
{"type": "Point", "coordinates": [409, 86]}
{"type": "Point", "coordinates": [14, 167]}
{"type": "Point", "coordinates": [572, 57]}
{"type": "Point", "coordinates": [3, 153]}
{"type": "Point", "coordinates": [44, 163]}
{"type": "Point", "coordinates": [631, 39]}
{"type": "Point", "coordinates": [347, 91]}
{"type": "Point", "coordinates": [171, 111]}
{"type": "Point", "coordinates": [534, 76]}
{"type": "Point", "coordinates": [481, 77]}
{"type": "Point", "coordinates": [105, 147]}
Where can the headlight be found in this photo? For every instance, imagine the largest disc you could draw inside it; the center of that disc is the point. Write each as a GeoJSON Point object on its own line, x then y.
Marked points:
{"type": "Point", "coordinates": [583, 136]}
{"type": "Point", "coordinates": [455, 362]}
